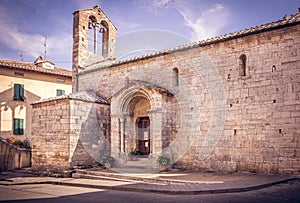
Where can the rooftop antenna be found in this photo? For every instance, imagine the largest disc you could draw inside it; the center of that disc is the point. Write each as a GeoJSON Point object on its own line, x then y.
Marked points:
{"type": "Point", "coordinates": [45, 45]}
{"type": "Point", "coordinates": [21, 55]}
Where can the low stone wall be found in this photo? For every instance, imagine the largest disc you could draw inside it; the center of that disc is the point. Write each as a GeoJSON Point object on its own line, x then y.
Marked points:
{"type": "Point", "coordinates": [12, 157]}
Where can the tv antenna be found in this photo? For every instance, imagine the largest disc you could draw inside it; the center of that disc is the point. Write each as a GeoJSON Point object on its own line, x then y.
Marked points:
{"type": "Point", "coordinates": [21, 55]}
{"type": "Point", "coordinates": [45, 45]}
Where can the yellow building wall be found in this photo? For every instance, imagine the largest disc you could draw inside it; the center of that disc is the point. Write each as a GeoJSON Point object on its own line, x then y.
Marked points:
{"type": "Point", "coordinates": [36, 86]}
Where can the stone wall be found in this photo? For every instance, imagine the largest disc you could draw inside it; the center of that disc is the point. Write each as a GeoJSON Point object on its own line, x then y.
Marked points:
{"type": "Point", "coordinates": [50, 135]}
{"type": "Point", "coordinates": [227, 121]}
{"type": "Point", "coordinates": [59, 134]}
{"type": "Point", "coordinates": [12, 157]}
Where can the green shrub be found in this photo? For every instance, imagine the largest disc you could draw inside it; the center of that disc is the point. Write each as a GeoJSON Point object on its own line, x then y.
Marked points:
{"type": "Point", "coordinates": [107, 159]}
{"type": "Point", "coordinates": [163, 160]}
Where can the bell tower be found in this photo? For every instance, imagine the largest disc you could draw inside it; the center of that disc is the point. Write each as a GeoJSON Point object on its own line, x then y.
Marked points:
{"type": "Point", "coordinates": [94, 40]}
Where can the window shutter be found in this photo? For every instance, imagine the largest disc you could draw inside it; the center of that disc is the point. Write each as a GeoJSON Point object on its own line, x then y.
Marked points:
{"type": "Point", "coordinates": [60, 92]}
{"type": "Point", "coordinates": [22, 97]}
{"type": "Point", "coordinates": [16, 91]}
{"type": "Point", "coordinates": [21, 128]}
{"type": "Point", "coordinates": [16, 126]}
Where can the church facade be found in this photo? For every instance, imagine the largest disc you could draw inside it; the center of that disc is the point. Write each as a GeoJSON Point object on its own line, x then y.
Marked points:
{"type": "Point", "coordinates": [230, 103]}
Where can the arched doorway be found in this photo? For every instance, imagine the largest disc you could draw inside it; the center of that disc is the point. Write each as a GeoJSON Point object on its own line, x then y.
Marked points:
{"type": "Point", "coordinates": [139, 108]}
{"type": "Point", "coordinates": [138, 104]}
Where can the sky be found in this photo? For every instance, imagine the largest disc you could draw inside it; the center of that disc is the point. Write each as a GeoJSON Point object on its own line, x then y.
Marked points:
{"type": "Point", "coordinates": [25, 25]}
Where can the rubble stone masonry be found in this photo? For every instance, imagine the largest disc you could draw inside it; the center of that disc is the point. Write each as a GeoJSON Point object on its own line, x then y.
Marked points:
{"type": "Point", "coordinates": [59, 136]}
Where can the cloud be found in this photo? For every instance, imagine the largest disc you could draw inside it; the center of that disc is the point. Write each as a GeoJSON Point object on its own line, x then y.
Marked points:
{"type": "Point", "coordinates": [156, 6]}
{"type": "Point", "coordinates": [207, 24]}
{"type": "Point", "coordinates": [204, 20]}
{"type": "Point", "coordinates": [32, 45]}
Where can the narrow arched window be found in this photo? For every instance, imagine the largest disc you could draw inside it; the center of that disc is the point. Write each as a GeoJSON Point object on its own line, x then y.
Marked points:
{"type": "Point", "coordinates": [243, 65]}
{"type": "Point", "coordinates": [92, 35]}
{"type": "Point", "coordinates": [175, 77]}
{"type": "Point", "coordinates": [104, 30]}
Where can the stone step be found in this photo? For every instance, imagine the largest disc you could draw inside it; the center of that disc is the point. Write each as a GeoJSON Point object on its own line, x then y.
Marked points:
{"type": "Point", "coordinates": [137, 164]}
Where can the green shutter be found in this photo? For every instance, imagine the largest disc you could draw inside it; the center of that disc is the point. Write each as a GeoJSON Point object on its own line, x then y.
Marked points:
{"type": "Point", "coordinates": [21, 129]}
{"type": "Point", "coordinates": [22, 97]}
{"type": "Point", "coordinates": [19, 92]}
{"type": "Point", "coordinates": [18, 126]}
{"type": "Point", "coordinates": [60, 92]}
{"type": "Point", "coordinates": [16, 91]}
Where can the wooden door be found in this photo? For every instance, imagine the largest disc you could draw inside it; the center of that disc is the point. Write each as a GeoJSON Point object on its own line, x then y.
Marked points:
{"type": "Point", "coordinates": [143, 129]}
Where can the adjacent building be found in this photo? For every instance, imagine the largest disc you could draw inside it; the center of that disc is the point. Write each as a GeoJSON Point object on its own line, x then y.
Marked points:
{"type": "Point", "coordinates": [22, 83]}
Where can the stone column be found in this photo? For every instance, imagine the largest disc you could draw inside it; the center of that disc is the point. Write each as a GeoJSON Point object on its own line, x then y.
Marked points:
{"type": "Point", "coordinates": [156, 121]}
{"type": "Point", "coordinates": [122, 130]}
{"type": "Point", "coordinates": [95, 39]}
{"type": "Point", "coordinates": [115, 136]}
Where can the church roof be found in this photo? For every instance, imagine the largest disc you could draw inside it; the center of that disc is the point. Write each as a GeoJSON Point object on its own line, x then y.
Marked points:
{"type": "Point", "coordinates": [35, 67]}
{"type": "Point", "coordinates": [285, 22]}
{"type": "Point", "coordinates": [87, 96]}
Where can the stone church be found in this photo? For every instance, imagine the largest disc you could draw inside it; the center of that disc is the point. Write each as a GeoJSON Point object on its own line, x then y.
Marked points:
{"type": "Point", "coordinates": [229, 103]}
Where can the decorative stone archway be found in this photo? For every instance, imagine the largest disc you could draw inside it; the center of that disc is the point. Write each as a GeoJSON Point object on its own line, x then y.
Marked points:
{"type": "Point", "coordinates": [136, 100]}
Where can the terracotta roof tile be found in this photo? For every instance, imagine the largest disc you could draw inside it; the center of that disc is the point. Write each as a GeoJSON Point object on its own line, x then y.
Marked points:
{"type": "Point", "coordinates": [30, 66]}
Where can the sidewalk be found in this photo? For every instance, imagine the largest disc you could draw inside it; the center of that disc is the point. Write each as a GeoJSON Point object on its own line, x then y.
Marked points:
{"type": "Point", "coordinates": [137, 183]}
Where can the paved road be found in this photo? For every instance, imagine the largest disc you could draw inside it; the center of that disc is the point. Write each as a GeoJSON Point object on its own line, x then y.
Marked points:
{"type": "Point", "coordinates": [287, 192]}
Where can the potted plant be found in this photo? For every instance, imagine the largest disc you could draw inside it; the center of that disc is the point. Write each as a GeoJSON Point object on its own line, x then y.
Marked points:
{"type": "Point", "coordinates": [133, 155]}
{"type": "Point", "coordinates": [107, 161]}
{"type": "Point", "coordinates": [164, 162]}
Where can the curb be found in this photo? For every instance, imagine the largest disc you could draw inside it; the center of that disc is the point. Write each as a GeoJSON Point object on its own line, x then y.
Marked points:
{"type": "Point", "coordinates": [230, 187]}
{"type": "Point", "coordinates": [176, 189]}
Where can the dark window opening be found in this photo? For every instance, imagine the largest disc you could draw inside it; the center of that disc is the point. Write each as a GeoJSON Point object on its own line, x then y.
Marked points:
{"type": "Point", "coordinates": [19, 74]}
{"type": "Point", "coordinates": [175, 77]}
{"type": "Point", "coordinates": [243, 65]}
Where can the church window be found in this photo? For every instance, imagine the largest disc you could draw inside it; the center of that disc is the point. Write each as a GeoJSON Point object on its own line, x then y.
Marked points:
{"type": "Point", "coordinates": [104, 31]}
{"type": "Point", "coordinates": [175, 77]}
{"type": "Point", "coordinates": [92, 36]}
{"type": "Point", "coordinates": [243, 65]}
